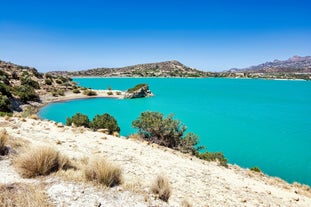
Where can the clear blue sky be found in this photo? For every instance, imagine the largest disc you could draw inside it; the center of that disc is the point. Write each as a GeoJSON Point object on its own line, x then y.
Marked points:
{"type": "Point", "coordinates": [211, 35]}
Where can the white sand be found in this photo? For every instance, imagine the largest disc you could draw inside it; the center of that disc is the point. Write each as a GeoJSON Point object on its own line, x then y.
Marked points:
{"type": "Point", "coordinates": [201, 183]}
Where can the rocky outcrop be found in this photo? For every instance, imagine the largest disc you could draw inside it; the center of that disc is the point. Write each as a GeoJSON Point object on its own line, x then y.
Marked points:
{"type": "Point", "coordinates": [139, 91]}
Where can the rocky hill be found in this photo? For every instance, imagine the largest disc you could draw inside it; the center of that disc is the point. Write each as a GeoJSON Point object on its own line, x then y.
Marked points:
{"type": "Point", "coordinates": [160, 69]}
{"type": "Point", "coordinates": [295, 64]}
{"type": "Point", "coordinates": [21, 85]}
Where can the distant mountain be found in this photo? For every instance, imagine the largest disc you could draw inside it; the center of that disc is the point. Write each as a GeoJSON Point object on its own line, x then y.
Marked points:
{"type": "Point", "coordinates": [160, 69]}
{"type": "Point", "coordinates": [295, 64]}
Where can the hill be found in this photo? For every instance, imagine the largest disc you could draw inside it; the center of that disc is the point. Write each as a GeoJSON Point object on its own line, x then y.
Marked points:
{"type": "Point", "coordinates": [160, 69]}
{"type": "Point", "coordinates": [295, 64]}
{"type": "Point", "coordinates": [193, 182]}
{"type": "Point", "coordinates": [21, 85]}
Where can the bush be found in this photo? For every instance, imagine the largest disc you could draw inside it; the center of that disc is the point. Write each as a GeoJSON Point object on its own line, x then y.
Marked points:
{"type": "Point", "coordinates": [48, 81]}
{"type": "Point", "coordinates": [58, 81]}
{"type": "Point", "coordinates": [162, 188]}
{"type": "Point", "coordinates": [105, 121]}
{"type": "Point", "coordinates": [76, 90]}
{"type": "Point", "coordinates": [255, 169]}
{"type": "Point", "coordinates": [214, 156]}
{"type": "Point", "coordinates": [79, 120]}
{"type": "Point", "coordinates": [138, 86]}
{"type": "Point", "coordinates": [118, 93]}
{"type": "Point", "coordinates": [5, 90]}
{"type": "Point", "coordinates": [23, 194]}
{"type": "Point", "coordinates": [101, 171]}
{"type": "Point", "coordinates": [89, 92]}
{"type": "Point", "coordinates": [3, 142]}
{"type": "Point", "coordinates": [26, 80]}
{"type": "Point", "coordinates": [4, 104]}
{"type": "Point", "coordinates": [40, 161]}
{"type": "Point", "coordinates": [61, 92]}
{"type": "Point", "coordinates": [152, 126]}
{"type": "Point", "coordinates": [26, 93]}
{"type": "Point", "coordinates": [109, 93]}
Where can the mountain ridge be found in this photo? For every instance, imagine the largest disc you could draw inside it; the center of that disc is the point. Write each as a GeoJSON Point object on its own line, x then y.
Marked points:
{"type": "Point", "coordinates": [295, 64]}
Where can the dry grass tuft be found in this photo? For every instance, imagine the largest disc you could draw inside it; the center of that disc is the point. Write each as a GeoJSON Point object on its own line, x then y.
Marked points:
{"type": "Point", "coordinates": [40, 161]}
{"type": "Point", "coordinates": [185, 203]}
{"type": "Point", "coordinates": [103, 172]}
{"type": "Point", "coordinates": [23, 195]}
{"type": "Point", "coordinates": [3, 142]}
{"type": "Point", "coordinates": [162, 188]}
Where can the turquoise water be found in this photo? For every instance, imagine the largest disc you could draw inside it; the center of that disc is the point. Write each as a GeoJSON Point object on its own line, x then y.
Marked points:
{"type": "Point", "coordinates": [262, 123]}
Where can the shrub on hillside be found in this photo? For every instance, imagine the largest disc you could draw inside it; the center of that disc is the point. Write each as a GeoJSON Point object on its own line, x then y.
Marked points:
{"type": "Point", "coordinates": [162, 188]}
{"type": "Point", "coordinates": [4, 104]}
{"type": "Point", "coordinates": [105, 121]}
{"type": "Point", "coordinates": [48, 81]}
{"type": "Point", "coordinates": [3, 142]}
{"type": "Point", "coordinates": [165, 131]}
{"type": "Point", "coordinates": [26, 93]}
{"type": "Point", "coordinates": [5, 90]}
{"type": "Point", "coordinates": [40, 161]}
{"type": "Point", "coordinates": [26, 80]}
{"type": "Point", "coordinates": [103, 172]}
{"type": "Point", "coordinates": [109, 93]}
{"type": "Point", "coordinates": [214, 156]}
{"type": "Point", "coordinates": [255, 169]}
{"type": "Point", "coordinates": [79, 120]}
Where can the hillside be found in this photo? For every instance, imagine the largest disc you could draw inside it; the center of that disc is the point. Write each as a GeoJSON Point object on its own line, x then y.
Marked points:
{"type": "Point", "coordinates": [161, 69]}
{"type": "Point", "coordinates": [295, 64]}
{"type": "Point", "coordinates": [193, 182]}
{"type": "Point", "coordinates": [20, 85]}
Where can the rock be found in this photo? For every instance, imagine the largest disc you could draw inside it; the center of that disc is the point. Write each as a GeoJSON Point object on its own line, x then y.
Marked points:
{"type": "Point", "coordinates": [60, 125]}
{"type": "Point", "coordinates": [139, 91]}
{"type": "Point", "coordinates": [106, 131]}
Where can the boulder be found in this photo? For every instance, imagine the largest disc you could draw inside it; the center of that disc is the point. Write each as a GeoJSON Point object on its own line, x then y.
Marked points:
{"type": "Point", "coordinates": [139, 91]}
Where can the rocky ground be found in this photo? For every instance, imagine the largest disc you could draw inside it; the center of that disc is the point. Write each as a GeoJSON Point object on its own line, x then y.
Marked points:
{"type": "Point", "coordinates": [194, 182]}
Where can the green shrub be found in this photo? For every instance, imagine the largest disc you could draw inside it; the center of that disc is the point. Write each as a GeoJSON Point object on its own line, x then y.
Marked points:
{"type": "Point", "coordinates": [118, 93]}
{"type": "Point", "coordinates": [105, 121]}
{"type": "Point", "coordinates": [255, 169]}
{"type": "Point", "coordinates": [26, 80]}
{"type": "Point", "coordinates": [58, 81]}
{"type": "Point", "coordinates": [61, 92]}
{"type": "Point", "coordinates": [138, 86]}
{"type": "Point", "coordinates": [26, 93]}
{"type": "Point", "coordinates": [89, 92]}
{"type": "Point", "coordinates": [48, 81]}
{"type": "Point", "coordinates": [4, 103]}
{"type": "Point", "coordinates": [109, 88]}
{"type": "Point", "coordinates": [109, 93]}
{"type": "Point", "coordinates": [76, 90]}
{"type": "Point", "coordinates": [5, 90]}
{"type": "Point", "coordinates": [79, 120]}
{"type": "Point", "coordinates": [152, 126]}
{"type": "Point", "coordinates": [214, 156]}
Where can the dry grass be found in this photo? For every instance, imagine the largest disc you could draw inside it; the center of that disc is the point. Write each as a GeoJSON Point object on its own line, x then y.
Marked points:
{"type": "Point", "coordinates": [40, 161]}
{"type": "Point", "coordinates": [3, 142]}
{"type": "Point", "coordinates": [103, 172]}
{"type": "Point", "coordinates": [162, 188]}
{"type": "Point", "coordinates": [23, 195]}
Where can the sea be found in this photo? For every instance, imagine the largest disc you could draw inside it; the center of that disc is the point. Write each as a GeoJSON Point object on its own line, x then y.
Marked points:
{"type": "Point", "coordinates": [254, 122]}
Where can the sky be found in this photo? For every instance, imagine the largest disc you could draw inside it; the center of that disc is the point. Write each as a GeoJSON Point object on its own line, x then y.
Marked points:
{"type": "Point", "coordinates": [210, 35]}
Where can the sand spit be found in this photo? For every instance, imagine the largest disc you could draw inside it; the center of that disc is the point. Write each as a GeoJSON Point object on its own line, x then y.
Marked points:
{"type": "Point", "coordinates": [199, 182]}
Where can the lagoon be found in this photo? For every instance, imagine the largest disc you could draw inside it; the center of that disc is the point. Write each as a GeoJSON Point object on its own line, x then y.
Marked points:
{"type": "Point", "coordinates": [264, 123]}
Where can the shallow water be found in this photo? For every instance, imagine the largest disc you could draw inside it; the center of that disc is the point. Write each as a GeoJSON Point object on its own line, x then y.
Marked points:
{"type": "Point", "coordinates": [264, 123]}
